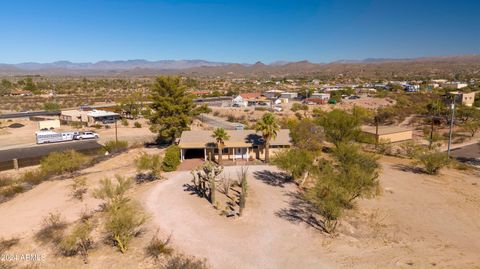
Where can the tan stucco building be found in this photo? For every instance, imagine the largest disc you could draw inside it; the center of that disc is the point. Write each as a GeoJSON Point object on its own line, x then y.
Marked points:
{"type": "Point", "coordinates": [388, 133]}
{"type": "Point", "coordinates": [242, 144]}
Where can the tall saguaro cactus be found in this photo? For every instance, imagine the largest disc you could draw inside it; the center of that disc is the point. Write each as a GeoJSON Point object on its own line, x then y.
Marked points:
{"type": "Point", "coordinates": [205, 179]}
{"type": "Point", "coordinates": [242, 175]}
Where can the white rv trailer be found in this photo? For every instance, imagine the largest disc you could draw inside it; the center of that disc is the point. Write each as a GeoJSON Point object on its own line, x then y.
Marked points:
{"type": "Point", "coordinates": [53, 137]}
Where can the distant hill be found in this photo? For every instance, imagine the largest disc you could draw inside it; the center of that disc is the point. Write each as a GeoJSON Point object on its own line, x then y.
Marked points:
{"type": "Point", "coordinates": [468, 65]}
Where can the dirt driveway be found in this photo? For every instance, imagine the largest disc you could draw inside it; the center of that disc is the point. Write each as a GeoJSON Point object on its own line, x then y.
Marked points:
{"type": "Point", "coordinates": [259, 239]}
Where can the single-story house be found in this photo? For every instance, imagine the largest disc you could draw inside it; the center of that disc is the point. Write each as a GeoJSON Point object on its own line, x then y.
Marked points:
{"type": "Point", "coordinates": [272, 93]}
{"type": "Point", "coordinates": [388, 133]}
{"type": "Point", "coordinates": [242, 144]}
{"type": "Point", "coordinates": [321, 95]}
{"type": "Point", "coordinates": [239, 101]}
{"type": "Point", "coordinates": [101, 116]}
{"type": "Point", "coordinates": [464, 98]}
{"type": "Point", "coordinates": [288, 95]}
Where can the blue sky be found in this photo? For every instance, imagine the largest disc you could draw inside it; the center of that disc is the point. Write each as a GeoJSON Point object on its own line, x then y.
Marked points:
{"type": "Point", "coordinates": [236, 31]}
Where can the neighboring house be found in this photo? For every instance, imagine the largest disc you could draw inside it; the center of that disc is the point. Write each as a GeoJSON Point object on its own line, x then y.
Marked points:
{"type": "Point", "coordinates": [464, 98]}
{"type": "Point", "coordinates": [242, 144]}
{"type": "Point", "coordinates": [391, 134]}
{"type": "Point", "coordinates": [321, 95]}
{"type": "Point", "coordinates": [288, 95]}
{"type": "Point", "coordinates": [101, 116]}
{"type": "Point", "coordinates": [273, 93]}
{"type": "Point", "coordinates": [239, 101]}
{"type": "Point", "coordinates": [454, 85]}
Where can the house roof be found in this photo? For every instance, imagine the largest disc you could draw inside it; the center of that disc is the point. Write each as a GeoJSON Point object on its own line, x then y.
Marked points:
{"type": "Point", "coordinates": [101, 113]}
{"type": "Point", "coordinates": [250, 95]}
{"type": "Point", "coordinates": [238, 138]}
{"type": "Point", "coordinates": [383, 130]}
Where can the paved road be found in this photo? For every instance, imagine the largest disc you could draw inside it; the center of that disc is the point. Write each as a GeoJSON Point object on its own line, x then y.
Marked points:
{"type": "Point", "coordinates": [42, 150]}
{"type": "Point", "coordinates": [468, 154]}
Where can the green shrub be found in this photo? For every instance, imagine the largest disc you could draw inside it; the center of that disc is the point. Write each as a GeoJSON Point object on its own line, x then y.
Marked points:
{"type": "Point", "coordinates": [295, 161]}
{"type": "Point", "coordinates": [433, 161]}
{"type": "Point", "coordinates": [151, 163]}
{"type": "Point", "coordinates": [137, 124]}
{"type": "Point", "coordinates": [97, 126]}
{"type": "Point", "coordinates": [297, 106]}
{"type": "Point", "coordinates": [113, 146]}
{"type": "Point", "coordinates": [78, 241]}
{"type": "Point", "coordinates": [261, 109]}
{"type": "Point", "coordinates": [34, 177]}
{"type": "Point", "coordinates": [113, 195]}
{"type": "Point", "coordinates": [124, 122]}
{"type": "Point", "coordinates": [123, 223]}
{"type": "Point", "coordinates": [61, 162]}
{"type": "Point", "coordinates": [157, 247]}
{"type": "Point", "coordinates": [11, 190]}
{"type": "Point", "coordinates": [171, 159]}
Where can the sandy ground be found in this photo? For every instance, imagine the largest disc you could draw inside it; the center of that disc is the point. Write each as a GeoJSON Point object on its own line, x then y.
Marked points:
{"type": "Point", "coordinates": [259, 239]}
{"type": "Point", "coordinates": [419, 221]}
{"type": "Point", "coordinates": [25, 136]}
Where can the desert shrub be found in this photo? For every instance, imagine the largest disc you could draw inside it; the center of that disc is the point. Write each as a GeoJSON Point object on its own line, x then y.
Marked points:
{"type": "Point", "coordinates": [97, 126]}
{"type": "Point", "coordinates": [123, 223]}
{"type": "Point", "coordinates": [124, 122]}
{"type": "Point", "coordinates": [410, 149]}
{"type": "Point", "coordinates": [11, 190]}
{"type": "Point", "coordinates": [259, 108]}
{"type": "Point", "coordinates": [151, 163]}
{"type": "Point", "coordinates": [6, 244]}
{"type": "Point", "coordinates": [6, 181]}
{"type": "Point", "coordinates": [350, 175]}
{"type": "Point", "coordinates": [137, 124]}
{"type": "Point", "coordinates": [384, 147]}
{"type": "Point", "coordinates": [432, 161]}
{"type": "Point", "coordinates": [216, 113]}
{"type": "Point", "coordinates": [185, 262]}
{"type": "Point", "coordinates": [113, 194]}
{"type": "Point", "coordinates": [79, 188]}
{"type": "Point", "coordinates": [78, 241]}
{"type": "Point", "coordinates": [226, 185]}
{"type": "Point", "coordinates": [34, 177]}
{"type": "Point", "coordinates": [62, 162]}
{"type": "Point", "coordinates": [295, 161]}
{"type": "Point", "coordinates": [113, 146]}
{"type": "Point", "coordinates": [157, 247]}
{"type": "Point", "coordinates": [52, 228]}
{"type": "Point", "coordinates": [297, 106]}
{"type": "Point", "coordinates": [108, 127]}
{"type": "Point", "coordinates": [171, 159]}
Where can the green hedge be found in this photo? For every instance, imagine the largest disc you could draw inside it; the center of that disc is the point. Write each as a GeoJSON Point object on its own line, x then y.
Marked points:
{"type": "Point", "coordinates": [172, 158]}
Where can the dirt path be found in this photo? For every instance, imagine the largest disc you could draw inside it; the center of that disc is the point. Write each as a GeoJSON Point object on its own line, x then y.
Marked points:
{"type": "Point", "coordinates": [259, 239]}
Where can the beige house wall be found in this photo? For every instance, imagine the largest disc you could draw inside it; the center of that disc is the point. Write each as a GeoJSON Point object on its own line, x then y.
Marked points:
{"type": "Point", "coordinates": [48, 124]}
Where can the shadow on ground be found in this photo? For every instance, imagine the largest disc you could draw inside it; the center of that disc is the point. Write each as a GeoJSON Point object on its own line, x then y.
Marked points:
{"type": "Point", "coordinates": [408, 168]}
{"type": "Point", "coordinates": [299, 211]}
{"type": "Point", "coordinates": [277, 179]}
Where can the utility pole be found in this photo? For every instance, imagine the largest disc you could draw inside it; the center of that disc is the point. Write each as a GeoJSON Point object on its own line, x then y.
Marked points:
{"type": "Point", "coordinates": [431, 135]}
{"type": "Point", "coordinates": [116, 132]}
{"type": "Point", "coordinates": [451, 128]}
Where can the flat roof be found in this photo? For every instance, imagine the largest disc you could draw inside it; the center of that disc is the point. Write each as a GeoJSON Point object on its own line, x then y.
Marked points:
{"type": "Point", "coordinates": [382, 130]}
{"type": "Point", "coordinates": [101, 113]}
{"type": "Point", "coordinates": [238, 138]}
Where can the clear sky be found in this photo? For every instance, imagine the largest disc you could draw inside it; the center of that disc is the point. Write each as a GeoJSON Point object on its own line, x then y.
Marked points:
{"type": "Point", "coordinates": [236, 31]}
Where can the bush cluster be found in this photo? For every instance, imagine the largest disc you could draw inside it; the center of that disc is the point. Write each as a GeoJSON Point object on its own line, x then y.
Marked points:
{"type": "Point", "coordinates": [171, 159]}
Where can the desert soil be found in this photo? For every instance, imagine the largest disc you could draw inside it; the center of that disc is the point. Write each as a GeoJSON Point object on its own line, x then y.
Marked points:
{"type": "Point", "coordinates": [418, 221]}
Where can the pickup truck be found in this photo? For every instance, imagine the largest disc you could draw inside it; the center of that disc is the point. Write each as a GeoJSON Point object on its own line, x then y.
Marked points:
{"type": "Point", "coordinates": [85, 135]}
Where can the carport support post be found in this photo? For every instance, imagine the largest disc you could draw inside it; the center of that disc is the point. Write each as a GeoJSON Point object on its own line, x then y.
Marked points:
{"type": "Point", "coordinates": [205, 153]}
{"type": "Point", "coordinates": [15, 164]}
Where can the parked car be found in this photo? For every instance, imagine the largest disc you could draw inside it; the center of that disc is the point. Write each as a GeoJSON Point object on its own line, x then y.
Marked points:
{"type": "Point", "coordinates": [86, 135]}
{"type": "Point", "coordinates": [353, 97]}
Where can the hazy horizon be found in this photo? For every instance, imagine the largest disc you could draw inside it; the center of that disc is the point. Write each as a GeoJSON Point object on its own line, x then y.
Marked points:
{"type": "Point", "coordinates": [239, 32]}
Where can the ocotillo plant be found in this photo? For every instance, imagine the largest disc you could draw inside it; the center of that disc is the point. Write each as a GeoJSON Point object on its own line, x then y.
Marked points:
{"type": "Point", "coordinates": [243, 183]}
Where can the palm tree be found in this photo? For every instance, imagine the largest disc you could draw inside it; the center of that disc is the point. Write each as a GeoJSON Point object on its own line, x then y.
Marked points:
{"type": "Point", "coordinates": [269, 127]}
{"type": "Point", "coordinates": [220, 136]}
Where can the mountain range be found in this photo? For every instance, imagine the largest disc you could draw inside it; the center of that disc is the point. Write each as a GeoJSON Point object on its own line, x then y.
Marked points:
{"type": "Point", "coordinates": [370, 66]}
